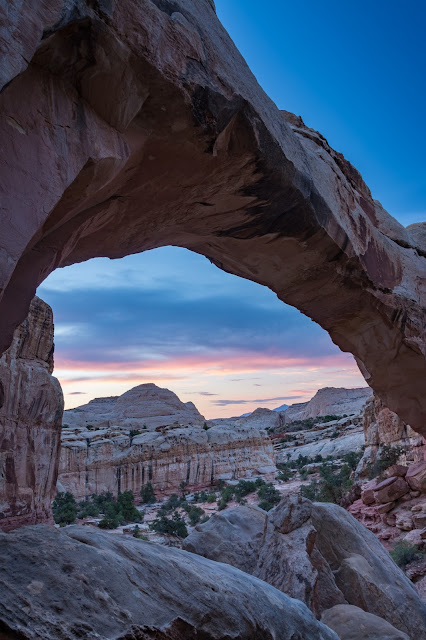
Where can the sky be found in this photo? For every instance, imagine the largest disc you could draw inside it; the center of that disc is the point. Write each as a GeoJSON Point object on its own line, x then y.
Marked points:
{"type": "Point", "coordinates": [355, 72]}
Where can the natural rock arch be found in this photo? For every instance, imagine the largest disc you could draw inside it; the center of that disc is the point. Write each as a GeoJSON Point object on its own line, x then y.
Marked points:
{"type": "Point", "coordinates": [132, 125]}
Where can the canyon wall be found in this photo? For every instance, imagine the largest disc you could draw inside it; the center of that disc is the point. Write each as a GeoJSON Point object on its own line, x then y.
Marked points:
{"type": "Point", "coordinates": [145, 128]}
{"type": "Point", "coordinates": [149, 435]}
{"type": "Point", "coordinates": [31, 406]}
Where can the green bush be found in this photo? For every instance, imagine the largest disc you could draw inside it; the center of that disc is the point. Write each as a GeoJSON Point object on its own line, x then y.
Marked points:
{"type": "Point", "coordinates": [303, 473]}
{"type": "Point", "coordinates": [332, 486]}
{"type": "Point", "coordinates": [195, 514]}
{"type": "Point", "coordinates": [87, 509]}
{"type": "Point", "coordinates": [64, 508]}
{"type": "Point", "coordinates": [126, 507]}
{"type": "Point", "coordinates": [172, 526]}
{"type": "Point", "coordinates": [211, 498]}
{"type": "Point", "coordinates": [133, 433]}
{"type": "Point", "coordinates": [206, 427]}
{"type": "Point", "coordinates": [403, 553]}
{"type": "Point", "coordinates": [352, 458]}
{"type": "Point", "coordinates": [147, 494]}
{"type": "Point", "coordinates": [268, 496]}
{"type": "Point", "coordinates": [387, 457]}
{"type": "Point", "coordinates": [285, 475]}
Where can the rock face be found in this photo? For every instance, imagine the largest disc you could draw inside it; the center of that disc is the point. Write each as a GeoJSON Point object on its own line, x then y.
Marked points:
{"type": "Point", "coordinates": [146, 128]}
{"type": "Point", "coordinates": [145, 406]}
{"type": "Point", "coordinates": [128, 588]}
{"type": "Point", "coordinates": [330, 401]}
{"type": "Point", "coordinates": [31, 406]}
{"type": "Point", "coordinates": [384, 427]}
{"type": "Point", "coordinates": [108, 457]}
{"type": "Point", "coordinates": [320, 554]}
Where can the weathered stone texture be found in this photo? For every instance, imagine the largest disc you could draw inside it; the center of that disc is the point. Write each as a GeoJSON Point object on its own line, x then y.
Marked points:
{"type": "Point", "coordinates": [31, 406]}
{"type": "Point", "coordinates": [142, 127]}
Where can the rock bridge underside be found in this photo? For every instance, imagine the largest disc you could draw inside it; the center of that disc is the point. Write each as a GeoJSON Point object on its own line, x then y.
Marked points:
{"type": "Point", "coordinates": [131, 125]}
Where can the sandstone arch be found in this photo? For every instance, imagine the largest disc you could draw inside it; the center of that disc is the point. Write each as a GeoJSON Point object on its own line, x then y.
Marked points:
{"type": "Point", "coordinates": [132, 125]}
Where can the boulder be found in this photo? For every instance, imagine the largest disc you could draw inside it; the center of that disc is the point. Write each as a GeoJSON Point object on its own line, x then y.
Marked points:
{"type": "Point", "coordinates": [384, 508]}
{"type": "Point", "coordinates": [367, 492]}
{"type": "Point", "coordinates": [322, 555]}
{"type": "Point", "coordinates": [416, 476]}
{"type": "Point", "coordinates": [396, 470]}
{"type": "Point", "coordinates": [79, 582]}
{"type": "Point", "coordinates": [419, 519]}
{"type": "Point", "coordinates": [405, 521]}
{"type": "Point", "coordinates": [391, 489]}
{"type": "Point", "coordinates": [352, 623]}
{"type": "Point", "coordinates": [232, 536]}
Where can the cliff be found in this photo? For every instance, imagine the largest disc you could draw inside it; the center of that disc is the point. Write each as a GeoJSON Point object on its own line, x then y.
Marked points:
{"type": "Point", "coordinates": [108, 457]}
{"type": "Point", "coordinates": [330, 401]}
{"type": "Point", "coordinates": [31, 406]}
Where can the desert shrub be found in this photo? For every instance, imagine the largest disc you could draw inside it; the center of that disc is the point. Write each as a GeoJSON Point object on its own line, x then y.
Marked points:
{"type": "Point", "coordinates": [172, 526]}
{"type": "Point", "coordinates": [133, 433]}
{"type": "Point", "coordinates": [64, 508]}
{"type": "Point", "coordinates": [220, 484]}
{"type": "Point", "coordinates": [87, 509]}
{"type": "Point", "coordinates": [352, 458]}
{"type": "Point", "coordinates": [204, 496]}
{"type": "Point", "coordinates": [147, 494]}
{"type": "Point", "coordinates": [194, 515]}
{"type": "Point", "coordinates": [221, 505]}
{"type": "Point", "coordinates": [318, 458]}
{"type": "Point", "coordinates": [126, 507]}
{"type": "Point", "coordinates": [112, 517]}
{"type": "Point", "coordinates": [332, 485]}
{"type": "Point", "coordinates": [204, 519]}
{"type": "Point", "coordinates": [268, 496]}
{"type": "Point", "coordinates": [403, 553]}
{"type": "Point", "coordinates": [211, 498]}
{"type": "Point", "coordinates": [206, 427]}
{"type": "Point", "coordinates": [171, 504]}
{"type": "Point", "coordinates": [387, 457]}
{"type": "Point", "coordinates": [303, 473]}
{"type": "Point", "coordinates": [335, 434]}
{"type": "Point", "coordinates": [182, 487]}
{"type": "Point", "coordinates": [284, 475]}
{"type": "Point", "coordinates": [101, 499]}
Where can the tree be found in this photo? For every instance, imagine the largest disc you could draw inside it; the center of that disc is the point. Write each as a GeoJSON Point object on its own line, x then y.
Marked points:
{"type": "Point", "coordinates": [64, 508]}
{"type": "Point", "coordinates": [147, 494]}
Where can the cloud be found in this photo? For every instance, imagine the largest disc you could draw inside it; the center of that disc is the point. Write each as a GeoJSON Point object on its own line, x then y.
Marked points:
{"type": "Point", "coordinates": [259, 401]}
{"type": "Point", "coordinates": [77, 393]}
{"type": "Point", "coordinates": [205, 393]}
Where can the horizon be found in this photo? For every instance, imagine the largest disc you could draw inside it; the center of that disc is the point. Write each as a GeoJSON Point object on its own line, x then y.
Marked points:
{"type": "Point", "coordinates": [170, 317]}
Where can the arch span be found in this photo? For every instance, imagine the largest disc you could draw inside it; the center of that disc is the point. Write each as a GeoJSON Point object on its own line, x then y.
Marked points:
{"type": "Point", "coordinates": [132, 125]}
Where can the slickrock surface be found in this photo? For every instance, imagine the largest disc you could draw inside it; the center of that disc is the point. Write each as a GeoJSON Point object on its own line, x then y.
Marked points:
{"type": "Point", "coordinates": [145, 128]}
{"type": "Point", "coordinates": [96, 585]}
{"type": "Point", "coordinates": [330, 401]}
{"type": "Point", "coordinates": [352, 623]}
{"type": "Point", "coordinates": [106, 457]}
{"type": "Point", "coordinates": [31, 405]}
{"type": "Point", "coordinates": [322, 555]}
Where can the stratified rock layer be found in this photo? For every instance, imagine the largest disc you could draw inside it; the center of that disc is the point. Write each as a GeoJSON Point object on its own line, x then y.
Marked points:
{"type": "Point", "coordinates": [31, 406]}
{"type": "Point", "coordinates": [96, 585]}
{"type": "Point", "coordinates": [103, 451]}
{"type": "Point", "coordinates": [144, 127]}
{"type": "Point", "coordinates": [330, 401]}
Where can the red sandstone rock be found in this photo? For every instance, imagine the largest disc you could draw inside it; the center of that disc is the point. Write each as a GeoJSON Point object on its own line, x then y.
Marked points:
{"type": "Point", "coordinates": [397, 470]}
{"type": "Point", "coordinates": [146, 128]}
{"type": "Point", "coordinates": [367, 492]}
{"type": "Point", "coordinates": [391, 489]}
{"type": "Point", "coordinates": [416, 476]}
{"type": "Point", "coordinates": [31, 406]}
{"type": "Point", "coordinates": [384, 508]}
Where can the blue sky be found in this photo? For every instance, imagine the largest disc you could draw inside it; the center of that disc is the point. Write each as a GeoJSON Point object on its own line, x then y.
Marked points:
{"type": "Point", "coordinates": [355, 72]}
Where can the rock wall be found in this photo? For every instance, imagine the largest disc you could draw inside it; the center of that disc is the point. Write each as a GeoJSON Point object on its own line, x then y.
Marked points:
{"type": "Point", "coordinates": [31, 406]}
{"type": "Point", "coordinates": [100, 461]}
{"type": "Point", "coordinates": [145, 128]}
{"type": "Point", "coordinates": [383, 427]}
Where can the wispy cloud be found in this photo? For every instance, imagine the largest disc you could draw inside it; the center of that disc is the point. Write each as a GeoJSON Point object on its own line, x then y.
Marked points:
{"type": "Point", "coordinates": [258, 401]}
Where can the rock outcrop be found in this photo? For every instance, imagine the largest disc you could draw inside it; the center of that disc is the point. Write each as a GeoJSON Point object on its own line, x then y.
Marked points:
{"type": "Point", "coordinates": [31, 406]}
{"type": "Point", "coordinates": [102, 450]}
{"type": "Point", "coordinates": [146, 128]}
{"type": "Point", "coordinates": [320, 554]}
{"type": "Point", "coordinates": [383, 427]}
{"type": "Point", "coordinates": [97, 585]}
{"type": "Point", "coordinates": [143, 407]}
{"type": "Point", "coordinates": [330, 401]}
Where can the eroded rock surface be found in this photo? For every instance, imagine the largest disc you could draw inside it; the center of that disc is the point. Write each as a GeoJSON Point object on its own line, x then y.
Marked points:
{"type": "Point", "coordinates": [330, 401]}
{"type": "Point", "coordinates": [102, 450]}
{"type": "Point", "coordinates": [31, 405]}
{"type": "Point", "coordinates": [352, 623]}
{"type": "Point", "coordinates": [145, 128]}
{"type": "Point", "coordinates": [320, 554]}
{"type": "Point", "coordinates": [97, 585]}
